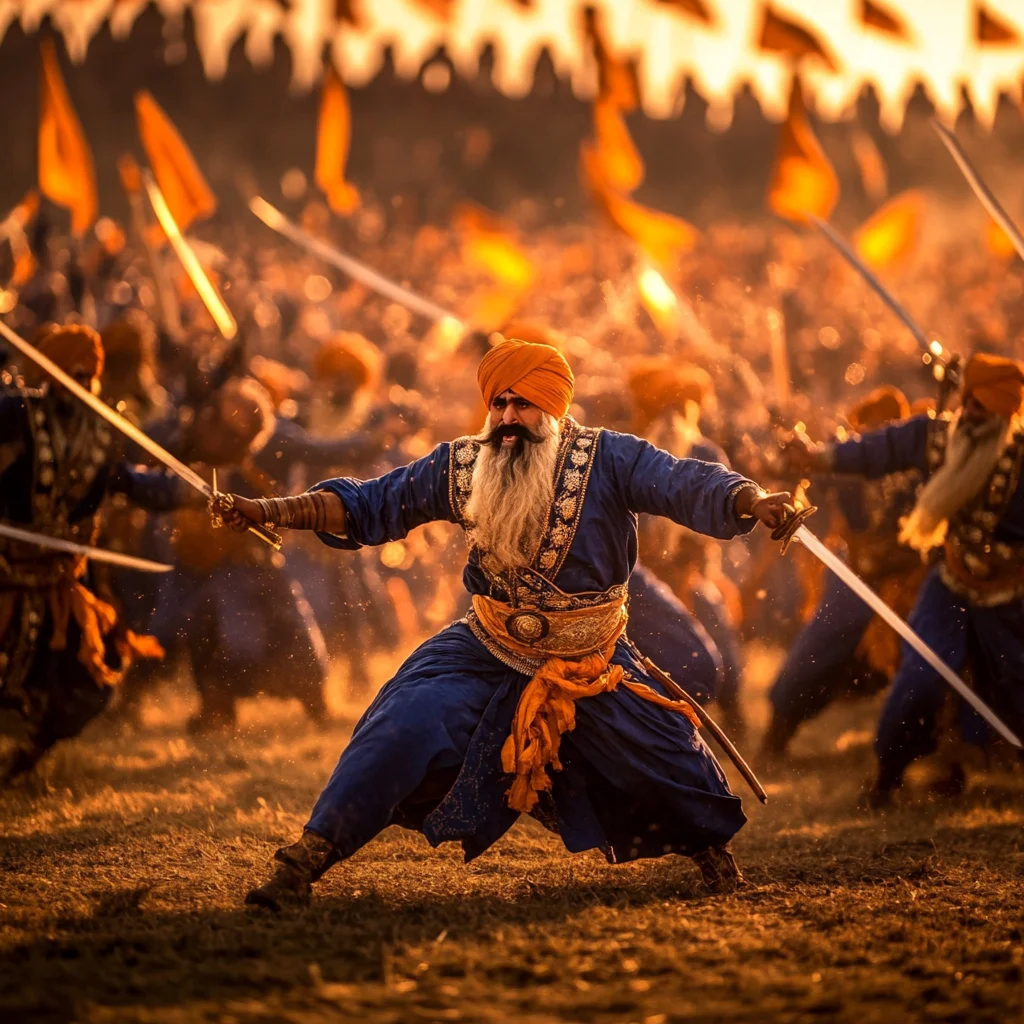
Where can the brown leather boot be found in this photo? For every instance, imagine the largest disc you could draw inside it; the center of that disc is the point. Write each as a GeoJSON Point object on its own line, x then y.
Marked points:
{"type": "Point", "coordinates": [298, 866]}
{"type": "Point", "coordinates": [719, 870]}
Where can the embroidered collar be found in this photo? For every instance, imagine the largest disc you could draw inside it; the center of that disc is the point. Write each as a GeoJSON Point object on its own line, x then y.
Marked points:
{"type": "Point", "coordinates": [577, 447]}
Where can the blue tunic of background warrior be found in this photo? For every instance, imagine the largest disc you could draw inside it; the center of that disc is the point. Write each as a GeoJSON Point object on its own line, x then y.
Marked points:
{"type": "Point", "coordinates": [844, 649]}
{"type": "Point", "coordinates": [957, 620]}
{"type": "Point", "coordinates": [638, 781]}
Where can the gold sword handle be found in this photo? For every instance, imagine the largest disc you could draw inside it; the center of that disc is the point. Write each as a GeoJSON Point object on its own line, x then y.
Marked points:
{"type": "Point", "coordinates": [220, 503]}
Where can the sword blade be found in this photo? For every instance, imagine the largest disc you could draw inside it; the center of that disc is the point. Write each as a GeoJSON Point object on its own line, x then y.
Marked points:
{"type": "Point", "coordinates": [116, 420]}
{"type": "Point", "coordinates": [277, 221]}
{"type": "Point", "coordinates": [980, 189]}
{"type": "Point", "coordinates": [879, 289]}
{"type": "Point", "coordinates": [204, 286]}
{"type": "Point", "coordinates": [877, 605]}
{"type": "Point", "coordinates": [95, 554]}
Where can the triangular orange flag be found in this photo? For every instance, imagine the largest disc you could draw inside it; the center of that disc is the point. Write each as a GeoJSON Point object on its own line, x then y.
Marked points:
{"type": "Point", "coordinates": [66, 174]}
{"type": "Point", "coordinates": [891, 233]}
{"type": "Point", "coordinates": [622, 166]}
{"type": "Point", "coordinates": [660, 236]}
{"type": "Point", "coordinates": [782, 36]}
{"type": "Point", "coordinates": [993, 30]}
{"type": "Point", "coordinates": [998, 242]}
{"type": "Point", "coordinates": [188, 196]}
{"type": "Point", "coordinates": [803, 181]}
{"type": "Point", "coordinates": [488, 247]}
{"type": "Point", "coordinates": [875, 16]}
{"type": "Point", "coordinates": [333, 139]}
{"type": "Point", "coordinates": [697, 8]}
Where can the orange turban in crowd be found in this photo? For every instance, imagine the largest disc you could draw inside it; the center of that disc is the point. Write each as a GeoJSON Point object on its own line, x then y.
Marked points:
{"type": "Point", "coordinates": [659, 384]}
{"type": "Point", "coordinates": [73, 347]}
{"type": "Point", "coordinates": [349, 361]}
{"type": "Point", "coordinates": [882, 406]}
{"type": "Point", "coordinates": [538, 373]}
{"type": "Point", "coordinates": [995, 382]}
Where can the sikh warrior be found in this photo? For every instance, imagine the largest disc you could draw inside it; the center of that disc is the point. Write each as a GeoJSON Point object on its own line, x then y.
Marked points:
{"type": "Point", "coordinates": [970, 608]}
{"type": "Point", "coordinates": [60, 655]}
{"type": "Point", "coordinates": [845, 648]}
{"type": "Point", "coordinates": [535, 702]}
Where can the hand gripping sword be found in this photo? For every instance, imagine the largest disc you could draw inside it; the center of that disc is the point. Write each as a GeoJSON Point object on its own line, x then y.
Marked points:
{"type": "Point", "coordinates": [793, 529]}
{"type": "Point", "coordinates": [132, 432]}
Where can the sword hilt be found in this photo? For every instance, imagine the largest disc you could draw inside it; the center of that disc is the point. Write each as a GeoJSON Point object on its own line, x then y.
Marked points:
{"type": "Point", "coordinates": [786, 530]}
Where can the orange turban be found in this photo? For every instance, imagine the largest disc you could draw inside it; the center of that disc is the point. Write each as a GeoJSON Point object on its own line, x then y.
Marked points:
{"type": "Point", "coordinates": [995, 382]}
{"type": "Point", "coordinates": [882, 406]}
{"type": "Point", "coordinates": [349, 361]}
{"type": "Point", "coordinates": [73, 347]}
{"type": "Point", "coordinates": [659, 384]}
{"type": "Point", "coordinates": [538, 373]}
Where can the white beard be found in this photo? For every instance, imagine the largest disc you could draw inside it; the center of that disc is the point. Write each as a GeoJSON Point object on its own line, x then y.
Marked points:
{"type": "Point", "coordinates": [510, 499]}
{"type": "Point", "coordinates": [971, 454]}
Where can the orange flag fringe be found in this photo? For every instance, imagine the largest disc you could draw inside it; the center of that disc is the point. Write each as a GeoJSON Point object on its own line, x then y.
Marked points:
{"type": "Point", "coordinates": [781, 36]}
{"type": "Point", "coordinates": [333, 139]}
{"type": "Point", "coordinates": [66, 174]}
{"type": "Point", "coordinates": [803, 181]}
{"type": "Point", "coordinates": [890, 235]}
{"type": "Point", "coordinates": [188, 196]}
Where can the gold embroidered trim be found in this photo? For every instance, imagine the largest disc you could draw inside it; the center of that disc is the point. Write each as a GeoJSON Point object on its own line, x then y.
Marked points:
{"type": "Point", "coordinates": [462, 454]}
{"type": "Point", "coordinates": [571, 478]}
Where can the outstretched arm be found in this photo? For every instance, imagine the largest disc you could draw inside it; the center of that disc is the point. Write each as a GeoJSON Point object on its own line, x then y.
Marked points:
{"type": "Point", "coordinates": [349, 513]}
{"type": "Point", "coordinates": [703, 496]}
{"type": "Point", "coordinates": [318, 510]}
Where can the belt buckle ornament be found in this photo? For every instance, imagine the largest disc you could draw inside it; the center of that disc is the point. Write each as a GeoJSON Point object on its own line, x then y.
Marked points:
{"type": "Point", "coordinates": [528, 626]}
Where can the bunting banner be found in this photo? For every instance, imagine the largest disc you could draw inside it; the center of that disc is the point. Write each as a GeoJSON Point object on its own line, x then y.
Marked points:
{"type": "Point", "coordinates": [958, 50]}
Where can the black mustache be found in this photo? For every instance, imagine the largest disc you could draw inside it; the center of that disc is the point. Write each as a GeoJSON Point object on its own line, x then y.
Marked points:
{"type": "Point", "coordinates": [500, 432]}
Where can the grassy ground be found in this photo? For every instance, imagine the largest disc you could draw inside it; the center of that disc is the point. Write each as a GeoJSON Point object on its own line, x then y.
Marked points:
{"type": "Point", "coordinates": [123, 864]}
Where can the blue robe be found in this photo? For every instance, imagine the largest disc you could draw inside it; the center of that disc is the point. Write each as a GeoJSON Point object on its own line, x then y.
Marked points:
{"type": "Point", "coordinates": [638, 780]}
{"type": "Point", "coordinates": [989, 639]}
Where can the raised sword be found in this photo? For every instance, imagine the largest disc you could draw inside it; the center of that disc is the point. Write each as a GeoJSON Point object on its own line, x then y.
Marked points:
{"type": "Point", "coordinates": [793, 529]}
{"type": "Point", "coordinates": [132, 432]}
{"type": "Point", "coordinates": [87, 550]}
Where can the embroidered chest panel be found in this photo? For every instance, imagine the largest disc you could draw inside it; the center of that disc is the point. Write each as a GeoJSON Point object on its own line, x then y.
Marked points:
{"type": "Point", "coordinates": [577, 450]}
{"type": "Point", "coordinates": [977, 520]}
{"type": "Point", "coordinates": [63, 473]}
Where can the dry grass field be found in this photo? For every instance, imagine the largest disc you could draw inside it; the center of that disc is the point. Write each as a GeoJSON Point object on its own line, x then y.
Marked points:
{"type": "Point", "coordinates": [124, 861]}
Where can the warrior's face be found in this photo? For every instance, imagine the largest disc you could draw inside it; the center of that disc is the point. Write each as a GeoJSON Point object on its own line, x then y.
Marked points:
{"type": "Point", "coordinates": [514, 422]}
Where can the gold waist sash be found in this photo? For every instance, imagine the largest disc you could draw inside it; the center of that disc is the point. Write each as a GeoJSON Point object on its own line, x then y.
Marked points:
{"type": "Point", "coordinates": [569, 654]}
{"type": "Point", "coordinates": [538, 635]}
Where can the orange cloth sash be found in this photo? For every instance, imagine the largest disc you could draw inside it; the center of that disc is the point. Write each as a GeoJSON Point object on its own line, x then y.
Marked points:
{"type": "Point", "coordinates": [568, 673]}
{"type": "Point", "coordinates": [95, 619]}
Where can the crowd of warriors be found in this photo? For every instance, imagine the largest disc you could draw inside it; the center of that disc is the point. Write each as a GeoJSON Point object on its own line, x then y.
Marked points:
{"type": "Point", "coordinates": [327, 378]}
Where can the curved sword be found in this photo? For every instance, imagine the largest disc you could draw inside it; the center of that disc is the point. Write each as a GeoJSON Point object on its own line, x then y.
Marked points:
{"type": "Point", "coordinates": [985, 195]}
{"type": "Point", "coordinates": [94, 554]}
{"type": "Point", "coordinates": [794, 529]}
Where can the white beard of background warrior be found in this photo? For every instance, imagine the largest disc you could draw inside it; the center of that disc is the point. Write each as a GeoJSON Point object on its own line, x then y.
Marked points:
{"type": "Point", "coordinates": [971, 455]}
{"type": "Point", "coordinates": [511, 493]}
